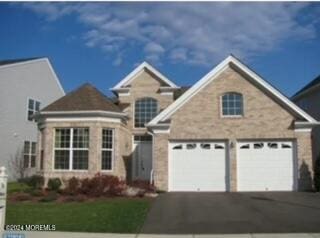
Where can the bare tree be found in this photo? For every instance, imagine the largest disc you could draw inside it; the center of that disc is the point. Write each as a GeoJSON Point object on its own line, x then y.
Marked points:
{"type": "Point", "coordinates": [16, 165]}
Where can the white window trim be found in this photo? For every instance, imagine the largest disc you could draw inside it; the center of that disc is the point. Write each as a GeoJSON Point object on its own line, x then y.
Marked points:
{"type": "Point", "coordinates": [108, 149]}
{"type": "Point", "coordinates": [134, 113]}
{"type": "Point", "coordinates": [231, 116]}
{"type": "Point", "coordinates": [70, 149]}
{"type": "Point", "coordinates": [34, 111]}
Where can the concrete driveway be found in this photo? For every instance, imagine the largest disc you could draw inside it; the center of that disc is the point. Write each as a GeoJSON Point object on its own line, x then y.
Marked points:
{"type": "Point", "coordinates": [215, 213]}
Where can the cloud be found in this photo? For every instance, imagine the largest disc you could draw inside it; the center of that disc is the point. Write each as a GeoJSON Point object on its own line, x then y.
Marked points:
{"type": "Point", "coordinates": [190, 33]}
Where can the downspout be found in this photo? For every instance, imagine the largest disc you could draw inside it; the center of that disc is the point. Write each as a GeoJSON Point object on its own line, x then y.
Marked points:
{"type": "Point", "coordinates": [151, 172]}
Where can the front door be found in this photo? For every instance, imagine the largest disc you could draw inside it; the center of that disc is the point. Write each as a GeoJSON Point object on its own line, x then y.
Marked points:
{"type": "Point", "coordinates": [142, 160]}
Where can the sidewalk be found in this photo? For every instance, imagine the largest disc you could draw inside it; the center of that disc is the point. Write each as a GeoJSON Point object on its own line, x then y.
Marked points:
{"type": "Point", "coordinates": [112, 235]}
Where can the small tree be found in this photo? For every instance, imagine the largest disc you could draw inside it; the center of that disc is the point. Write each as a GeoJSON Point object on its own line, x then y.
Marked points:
{"type": "Point", "coordinates": [16, 165]}
{"type": "Point", "coordinates": [317, 174]}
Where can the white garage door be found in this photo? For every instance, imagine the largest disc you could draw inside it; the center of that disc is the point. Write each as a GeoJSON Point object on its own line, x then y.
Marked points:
{"type": "Point", "coordinates": [265, 166]}
{"type": "Point", "coordinates": [197, 166]}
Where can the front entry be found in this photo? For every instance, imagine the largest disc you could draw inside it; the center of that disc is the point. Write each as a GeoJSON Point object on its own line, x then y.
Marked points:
{"type": "Point", "coordinates": [142, 157]}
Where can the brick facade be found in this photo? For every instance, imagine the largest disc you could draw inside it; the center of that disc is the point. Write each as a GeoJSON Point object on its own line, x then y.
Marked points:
{"type": "Point", "coordinates": [200, 118]}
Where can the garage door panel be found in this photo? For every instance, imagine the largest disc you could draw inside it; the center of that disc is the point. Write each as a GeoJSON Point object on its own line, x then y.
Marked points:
{"type": "Point", "coordinates": [202, 168]}
{"type": "Point", "coordinates": [265, 166]}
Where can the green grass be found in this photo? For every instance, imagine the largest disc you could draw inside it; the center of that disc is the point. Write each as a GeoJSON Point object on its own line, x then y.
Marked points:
{"type": "Point", "coordinates": [117, 215]}
{"type": "Point", "coordinates": [17, 187]}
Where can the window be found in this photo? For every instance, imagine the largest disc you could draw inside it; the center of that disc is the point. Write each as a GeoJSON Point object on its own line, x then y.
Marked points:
{"type": "Point", "coordinates": [273, 145]}
{"type": "Point", "coordinates": [71, 148]}
{"type": "Point", "coordinates": [33, 107]}
{"type": "Point", "coordinates": [285, 146]}
{"type": "Point", "coordinates": [145, 110]}
{"type": "Point", "coordinates": [246, 146]}
{"type": "Point", "coordinates": [216, 146]}
{"type": "Point", "coordinates": [191, 146]}
{"type": "Point", "coordinates": [232, 104]}
{"type": "Point", "coordinates": [258, 145]}
{"type": "Point", "coordinates": [107, 149]}
{"type": "Point", "coordinates": [29, 154]}
{"type": "Point", "coordinates": [205, 146]}
{"type": "Point", "coordinates": [177, 147]}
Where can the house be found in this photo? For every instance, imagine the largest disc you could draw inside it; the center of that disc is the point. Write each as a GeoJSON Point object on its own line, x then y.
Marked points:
{"type": "Point", "coordinates": [26, 86]}
{"type": "Point", "coordinates": [308, 98]}
{"type": "Point", "coordinates": [231, 131]}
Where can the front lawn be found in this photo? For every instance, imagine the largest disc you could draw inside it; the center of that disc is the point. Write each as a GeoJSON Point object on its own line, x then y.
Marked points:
{"type": "Point", "coordinates": [117, 215]}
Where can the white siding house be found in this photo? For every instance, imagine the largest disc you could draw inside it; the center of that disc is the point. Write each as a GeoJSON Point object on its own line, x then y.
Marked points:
{"type": "Point", "coordinates": [26, 85]}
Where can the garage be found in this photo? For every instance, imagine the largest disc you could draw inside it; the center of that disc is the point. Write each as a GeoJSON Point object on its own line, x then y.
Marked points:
{"type": "Point", "coordinates": [266, 166]}
{"type": "Point", "coordinates": [198, 166]}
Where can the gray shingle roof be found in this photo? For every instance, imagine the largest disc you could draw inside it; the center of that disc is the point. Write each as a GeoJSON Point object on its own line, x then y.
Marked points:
{"type": "Point", "coordinates": [313, 83]}
{"type": "Point", "coordinates": [13, 61]}
{"type": "Point", "coordinates": [84, 98]}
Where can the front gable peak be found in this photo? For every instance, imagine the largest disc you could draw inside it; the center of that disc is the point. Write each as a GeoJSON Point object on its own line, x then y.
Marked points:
{"type": "Point", "coordinates": [124, 83]}
{"type": "Point", "coordinates": [233, 62]}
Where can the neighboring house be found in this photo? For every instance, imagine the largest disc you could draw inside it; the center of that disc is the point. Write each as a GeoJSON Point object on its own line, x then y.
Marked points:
{"type": "Point", "coordinates": [308, 98]}
{"type": "Point", "coordinates": [26, 86]}
{"type": "Point", "coordinates": [231, 131]}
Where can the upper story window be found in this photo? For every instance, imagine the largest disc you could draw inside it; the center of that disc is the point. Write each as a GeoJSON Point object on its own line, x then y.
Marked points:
{"type": "Point", "coordinates": [145, 110]}
{"type": "Point", "coordinates": [33, 107]}
{"type": "Point", "coordinates": [232, 104]}
{"type": "Point", "coordinates": [71, 150]}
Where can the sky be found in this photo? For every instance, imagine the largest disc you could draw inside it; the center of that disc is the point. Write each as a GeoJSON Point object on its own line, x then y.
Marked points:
{"type": "Point", "coordinates": [101, 43]}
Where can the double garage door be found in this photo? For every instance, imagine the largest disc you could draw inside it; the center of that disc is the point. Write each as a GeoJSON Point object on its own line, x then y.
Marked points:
{"type": "Point", "coordinates": [205, 166]}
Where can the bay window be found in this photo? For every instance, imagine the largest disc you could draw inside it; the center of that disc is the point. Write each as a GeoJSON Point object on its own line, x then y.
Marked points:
{"type": "Point", "coordinates": [71, 149]}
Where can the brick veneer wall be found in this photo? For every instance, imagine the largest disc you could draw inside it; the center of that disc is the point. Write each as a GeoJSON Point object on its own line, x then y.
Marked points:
{"type": "Point", "coordinates": [200, 118]}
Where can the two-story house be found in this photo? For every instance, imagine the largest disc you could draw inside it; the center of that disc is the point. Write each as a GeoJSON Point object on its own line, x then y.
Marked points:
{"type": "Point", "coordinates": [308, 98]}
{"type": "Point", "coordinates": [230, 131]}
{"type": "Point", "coordinates": [26, 86]}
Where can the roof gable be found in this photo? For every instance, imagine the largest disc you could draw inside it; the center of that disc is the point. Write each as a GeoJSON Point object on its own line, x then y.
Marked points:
{"type": "Point", "coordinates": [84, 98]}
{"type": "Point", "coordinates": [229, 61]}
{"type": "Point", "coordinates": [131, 76]}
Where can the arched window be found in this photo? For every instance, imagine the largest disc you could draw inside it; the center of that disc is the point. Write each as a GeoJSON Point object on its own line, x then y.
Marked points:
{"type": "Point", "coordinates": [145, 110]}
{"type": "Point", "coordinates": [232, 104]}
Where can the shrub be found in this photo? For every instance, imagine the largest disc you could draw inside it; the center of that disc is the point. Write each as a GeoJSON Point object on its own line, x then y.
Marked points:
{"type": "Point", "coordinates": [36, 193]}
{"type": "Point", "coordinates": [102, 185]}
{"type": "Point", "coordinates": [35, 181]}
{"type": "Point", "coordinates": [54, 184]}
{"type": "Point", "coordinates": [72, 187]}
{"type": "Point", "coordinates": [317, 174]}
{"type": "Point", "coordinates": [50, 197]}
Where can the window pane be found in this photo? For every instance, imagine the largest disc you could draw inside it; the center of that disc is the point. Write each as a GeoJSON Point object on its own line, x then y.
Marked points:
{"type": "Point", "coordinates": [106, 160]}
{"type": "Point", "coordinates": [62, 138]}
{"type": "Point", "coordinates": [26, 149]}
{"type": "Point", "coordinates": [31, 105]}
{"type": "Point", "coordinates": [80, 159]}
{"type": "Point", "coordinates": [107, 138]}
{"type": "Point", "coordinates": [81, 138]}
{"type": "Point", "coordinates": [26, 161]}
{"type": "Point", "coordinates": [33, 148]}
{"type": "Point", "coordinates": [61, 159]}
{"type": "Point", "coordinates": [33, 161]}
{"type": "Point", "coordinates": [37, 106]}
{"type": "Point", "coordinates": [145, 110]}
{"type": "Point", "coordinates": [30, 114]}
